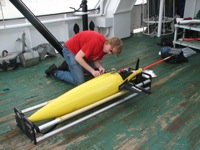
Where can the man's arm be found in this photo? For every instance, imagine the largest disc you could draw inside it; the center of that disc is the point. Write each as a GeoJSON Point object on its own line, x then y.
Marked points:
{"type": "Point", "coordinates": [80, 59]}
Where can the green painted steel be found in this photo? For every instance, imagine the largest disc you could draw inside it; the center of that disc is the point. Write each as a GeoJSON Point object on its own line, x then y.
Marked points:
{"type": "Point", "coordinates": [166, 119]}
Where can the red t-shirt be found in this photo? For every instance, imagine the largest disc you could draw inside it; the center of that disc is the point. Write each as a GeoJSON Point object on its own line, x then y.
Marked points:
{"type": "Point", "coordinates": [90, 42]}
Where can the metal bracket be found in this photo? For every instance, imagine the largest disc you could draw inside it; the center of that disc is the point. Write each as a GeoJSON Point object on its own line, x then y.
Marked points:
{"type": "Point", "coordinates": [25, 125]}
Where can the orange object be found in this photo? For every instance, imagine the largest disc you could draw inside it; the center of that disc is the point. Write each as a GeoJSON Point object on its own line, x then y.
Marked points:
{"type": "Point", "coordinates": [191, 39]}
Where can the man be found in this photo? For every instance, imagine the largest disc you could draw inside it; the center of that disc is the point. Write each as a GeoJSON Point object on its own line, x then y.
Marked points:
{"type": "Point", "coordinates": [83, 53]}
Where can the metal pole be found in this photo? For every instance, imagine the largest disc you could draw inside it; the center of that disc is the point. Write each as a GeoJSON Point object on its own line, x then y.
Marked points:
{"type": "Point", "coordinates": [157, 62]}
{"type": "Point", "coordinates": [85, 16]}
{"type": "Point", "coordinates": [35, 107]}
{"type": "Point", "coordinates": [160, 17]}
{"type": "Point", "coordinates": [37, 24]}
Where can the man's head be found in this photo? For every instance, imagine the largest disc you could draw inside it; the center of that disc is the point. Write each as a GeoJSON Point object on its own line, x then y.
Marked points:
{"type": "Point", "coordinates": [113, 46]}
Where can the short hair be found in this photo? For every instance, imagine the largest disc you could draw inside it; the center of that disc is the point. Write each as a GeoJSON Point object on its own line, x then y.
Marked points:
{"type": "Point", "coordinates": [115, 43]}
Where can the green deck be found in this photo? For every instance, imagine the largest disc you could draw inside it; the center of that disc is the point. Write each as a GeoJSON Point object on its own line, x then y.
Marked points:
{"type": "Point", "coordinates": [166, 119]}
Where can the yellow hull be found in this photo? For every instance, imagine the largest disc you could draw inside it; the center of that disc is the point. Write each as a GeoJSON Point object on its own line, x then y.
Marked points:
{"type": "Point", "coordinates": [80, 96]}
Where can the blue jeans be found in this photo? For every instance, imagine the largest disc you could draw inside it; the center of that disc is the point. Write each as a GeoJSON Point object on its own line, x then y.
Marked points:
{"type": "Point", "coordinates": [75, 75]}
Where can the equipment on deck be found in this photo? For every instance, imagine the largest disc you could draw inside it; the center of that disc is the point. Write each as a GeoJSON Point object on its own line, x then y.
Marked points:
{"type": "Point", "coordinates": [44, 50]}
{"type": "Point", "coordinates": [28, 57]}
{"type": "Point", "coordinates": [8, 61]}
{"type": "Point", "coordinates": [177, 53]}
{"type": "Point", "coordinates": [82, 98]}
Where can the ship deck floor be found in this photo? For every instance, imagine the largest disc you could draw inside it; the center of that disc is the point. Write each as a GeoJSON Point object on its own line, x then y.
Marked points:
{"type": "Point", "coordinates": [168, 118]}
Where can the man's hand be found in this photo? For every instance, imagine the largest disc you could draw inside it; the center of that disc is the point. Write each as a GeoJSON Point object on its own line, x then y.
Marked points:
{"type": "Point", "coordinates": [101, 70]}
{"type": "Point", "coordinates": [95, 73]}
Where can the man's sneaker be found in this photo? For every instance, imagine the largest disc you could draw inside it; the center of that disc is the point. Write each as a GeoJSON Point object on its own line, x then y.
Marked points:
{"type": "Point", "coordinates": [64, 66]}
{"type": "Point", "coordinates": [51, 70]}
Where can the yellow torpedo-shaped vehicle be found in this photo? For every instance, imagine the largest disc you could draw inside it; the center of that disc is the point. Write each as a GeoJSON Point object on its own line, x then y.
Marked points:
{"type": "Point", "coordinates": [82, 98]}
{"type": "Point", "coordinates": [82, 95]}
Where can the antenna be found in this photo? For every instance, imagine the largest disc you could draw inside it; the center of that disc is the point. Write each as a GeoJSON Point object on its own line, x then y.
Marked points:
{"type": "Point", "coordinates": [137, 64]}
